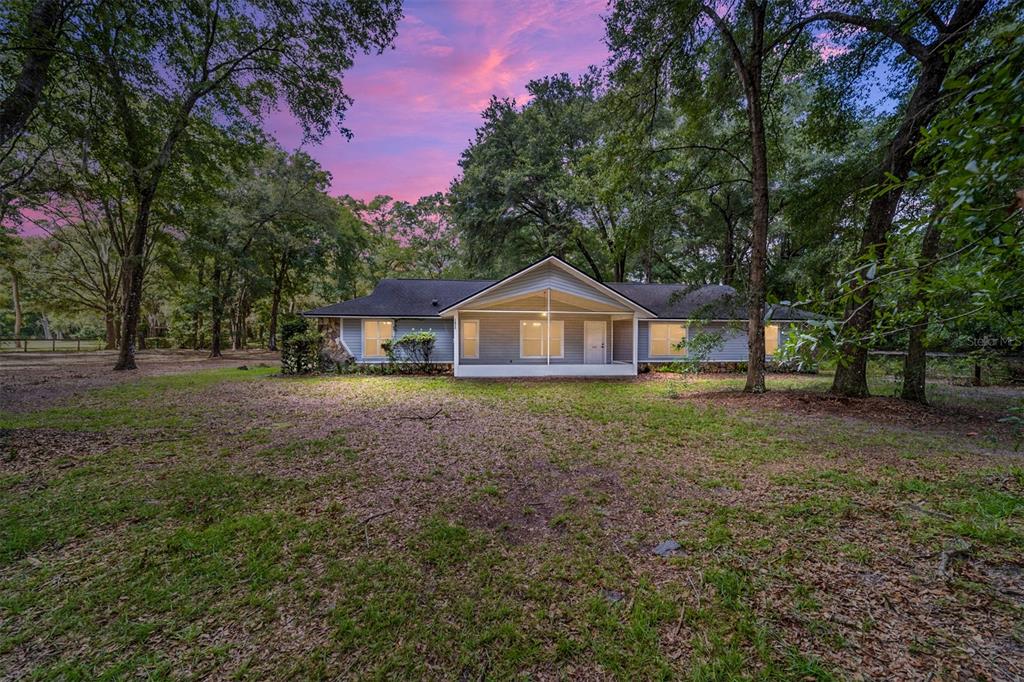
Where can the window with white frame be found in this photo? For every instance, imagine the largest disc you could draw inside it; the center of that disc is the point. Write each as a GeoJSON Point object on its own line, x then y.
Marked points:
{"type": "Point", "coordinates": [665, 338]}
{"type": "Point", "coordinates": [374, 333]}
{"type": "Point", "coordinates": [470, 346]}
{"type": "Point", "coordinates": [771, 339]}
{"type": "Point", "coordinates": [531, 338]}
{"type": "Point", "coordinates": [556, 338]}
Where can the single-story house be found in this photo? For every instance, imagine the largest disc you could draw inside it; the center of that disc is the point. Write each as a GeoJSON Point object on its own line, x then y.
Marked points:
{"type": "Point", "coordinates": [548, 319]}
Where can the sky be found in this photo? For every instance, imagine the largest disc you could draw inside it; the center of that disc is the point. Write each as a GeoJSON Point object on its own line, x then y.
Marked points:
{"type": "Point", "coordinates": [417, 105]}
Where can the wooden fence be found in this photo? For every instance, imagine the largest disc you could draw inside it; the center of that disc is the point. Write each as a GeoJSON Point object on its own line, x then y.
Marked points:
{"type": "Point", "coordinates": [13, 345]}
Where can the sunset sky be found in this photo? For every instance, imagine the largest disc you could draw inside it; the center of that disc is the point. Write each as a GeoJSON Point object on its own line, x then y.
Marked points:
{"type": "Point", "coordinates": [416, 106]}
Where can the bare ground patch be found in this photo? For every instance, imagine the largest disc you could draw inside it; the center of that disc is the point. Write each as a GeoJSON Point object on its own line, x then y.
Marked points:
{"type": "Point", "coordinates": [827, 544]}
{"type": "Point", "coordinates": [33, 381]}
{"type": "Point", "coordinates": [877, 410]}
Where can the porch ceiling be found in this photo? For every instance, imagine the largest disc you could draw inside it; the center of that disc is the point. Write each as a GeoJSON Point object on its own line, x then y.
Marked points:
{"type": "Point", "coordinates": [537, 301]}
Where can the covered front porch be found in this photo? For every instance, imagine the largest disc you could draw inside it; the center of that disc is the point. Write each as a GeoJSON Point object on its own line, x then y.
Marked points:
{"type": "Point", "coordinates": [546, 320]}
{"type": "Point", "coordinates": [545, 334]}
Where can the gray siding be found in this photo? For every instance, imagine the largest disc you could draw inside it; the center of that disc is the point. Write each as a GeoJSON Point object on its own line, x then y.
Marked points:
{"type": "Point", "coordinates": [499, 339]}
{"type": "Point", "coordinates": [622, 343]}
{"type": "Point", "coordinates": [444, 350]}
{"type": "Point", "coordinates": [733, 347]}
{"type": "Point", "coordinates": [545, 277]}
{"type": "Point", "coordinates": [352, 335]}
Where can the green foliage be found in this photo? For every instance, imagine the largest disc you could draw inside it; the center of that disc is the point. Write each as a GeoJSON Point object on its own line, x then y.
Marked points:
{"type": "Point", "coordinates": [1015, 420]}
{"type": "Point", "coordinates": [413, 348]}
{"type": "Point", "coordinates": [301, 344]}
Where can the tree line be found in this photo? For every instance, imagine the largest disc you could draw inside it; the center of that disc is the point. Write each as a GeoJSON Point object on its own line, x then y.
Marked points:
{"type": "Point", "coordinates": [864, 160]}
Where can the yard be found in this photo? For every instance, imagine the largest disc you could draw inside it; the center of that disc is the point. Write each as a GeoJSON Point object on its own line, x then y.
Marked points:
{"type": "Point", "coordinates": [219, 522]}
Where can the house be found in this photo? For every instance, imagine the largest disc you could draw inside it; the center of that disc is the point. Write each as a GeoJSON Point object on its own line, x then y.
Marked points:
{"type": "Point", "coordinates": [549, 319]}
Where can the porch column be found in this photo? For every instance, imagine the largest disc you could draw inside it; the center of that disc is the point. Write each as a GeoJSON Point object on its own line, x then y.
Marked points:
{"type": "Point", "coordinates": [455, 345]}
{"type": "Point", "coordinates": [636, 335]}
{"type": "Point", "coordinates": [547, 329]}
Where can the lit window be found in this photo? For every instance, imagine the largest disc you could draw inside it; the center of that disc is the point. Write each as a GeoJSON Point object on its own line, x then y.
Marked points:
{"type": "Point", "coordinates": [531, 338]}
{"type": "Point", "coordinates": [771, 339]}
{"type": "Point", "coordinates": [556, 340]}
{"type": "Point", "coordinates": [665, 339]}
{"type": "Point", "coordinates": [470, 347]}
{"type": "Point", "coordinates": [374, 332]}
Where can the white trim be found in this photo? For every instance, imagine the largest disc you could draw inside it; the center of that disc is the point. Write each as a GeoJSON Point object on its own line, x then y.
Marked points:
{"type": "Point", "coordinates": [604, 341]}
{"type": "Point", "coordinates": [636, 342]}
{"type": "Point", "coordinates": [362, 330]}
{"type": "Point", "coordinates": [377, 317]}
{"type": "Point", "coordinates": [547, 317]}
{"type": "Point", "coordinates": [341, 338]}
{"type": "Point", "coordinates": [456, 333]}
{"type": "Point", "coordinates": [621, 313]}
{"type": "Point", "coordinates": [556, 370]}
{"type": "Point", "coordinates": [545, 340]}
{"type": "Point", "coordinates": [462, 329]}
{"type": "Point", "coordinates": [582, 276]}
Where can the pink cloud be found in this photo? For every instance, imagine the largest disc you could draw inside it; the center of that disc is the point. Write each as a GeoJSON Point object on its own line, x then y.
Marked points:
{"type": "Point", "coordinates": [417, 106]}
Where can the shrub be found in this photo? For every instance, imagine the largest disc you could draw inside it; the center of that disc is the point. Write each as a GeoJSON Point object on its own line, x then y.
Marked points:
{"type": "Point", "coordinates": [414, 348]}
{"type": "Point", "coordinates": [300, 347]}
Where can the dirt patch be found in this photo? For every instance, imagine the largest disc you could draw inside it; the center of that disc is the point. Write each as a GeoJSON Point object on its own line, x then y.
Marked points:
{"type": "Point", "coordinates": [874, 409]}
{"type": "Point", "coordinates": [33, 381]}
{"type": "Point", "coordinates": [536, 501]}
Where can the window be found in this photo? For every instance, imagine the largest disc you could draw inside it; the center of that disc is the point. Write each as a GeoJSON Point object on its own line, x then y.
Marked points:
{"type": "Point", "coordinates": [375, 331]}
{"type": "Point", "coordinates": [531, 338]}
{"type": "Point", "coordinates": [556, 341]}
{"type": "Point", "coordinates": [771, 339]}
{"type": "Point", "coordinates": [664, 339]}
{"type": "Point", "coordinates": [470, 347]}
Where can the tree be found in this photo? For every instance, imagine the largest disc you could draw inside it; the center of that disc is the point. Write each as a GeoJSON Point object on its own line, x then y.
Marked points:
{"type": "Point", "coordinates": [162, 64]}
{"type": "Point", "coordinates": [932, 43]}
{"type": "Point", "coordinates": [691, 41]}
{"type": "Point", "coordinates": [35, 37]}
{"type": "Point", "coordinates": [305, 231]}
{"type": "Point", "coordinates": [519, 198]}
{"type": "Point", "coordinates": [10, 255]}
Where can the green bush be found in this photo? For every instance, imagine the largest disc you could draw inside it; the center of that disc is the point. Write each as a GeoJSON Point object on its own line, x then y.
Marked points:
{"type": "Point", "coordinates": [300, 347]}
{"type": "Point", "coordinates": [414, 348]}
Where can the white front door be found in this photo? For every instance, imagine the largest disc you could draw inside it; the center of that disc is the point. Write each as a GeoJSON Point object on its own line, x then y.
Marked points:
{"type": "Point", "coordinates": [593, 342]}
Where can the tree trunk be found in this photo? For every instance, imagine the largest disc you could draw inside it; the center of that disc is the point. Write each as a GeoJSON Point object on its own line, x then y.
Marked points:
{"type": "Point", "coordinates": [41, 36]}
{"type": "Point", "coordinates": [275, 303]}
{"type": "Point", "coordinates": [590, 260]}
{"type": "Point", "coordinates": [729, 255]}
{"type": "Point", "coordinates": [915, 365]}
{"type": "Point", "coordinates": [17, 309]}
{"type": "Point", "coordinates": [851, 370]}
{"type": "Point", "coordinates": [216, 312]}
{"type": "Point", "coordinates": [241, 312]}
{"type": "Point", "coordinates": [133, 274]}
{"type": "Point", "coordinates": [759, 223]}
{"type": "Point", "coordinates": [111, 327]}
{"type": "Point", "coordinates": [45, 321]}
{"type": "Point", "coordinates": [620, 268]}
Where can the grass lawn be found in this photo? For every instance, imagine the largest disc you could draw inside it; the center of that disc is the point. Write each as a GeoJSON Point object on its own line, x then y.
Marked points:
{"type": "Point", "coordinates": [235, 524]}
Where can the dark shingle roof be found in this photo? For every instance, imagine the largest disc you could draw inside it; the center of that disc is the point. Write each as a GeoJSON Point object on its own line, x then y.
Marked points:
{"type": "Point", "coordinates": [406, 298]}
{"type": "Point", "coordinates": [416, 298]}
{"type": "Point", "coordinates": [710, 302]}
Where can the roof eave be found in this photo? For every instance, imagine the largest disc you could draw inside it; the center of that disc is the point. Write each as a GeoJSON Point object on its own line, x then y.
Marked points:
{"type": "Point", "coordinates": [560, 263]}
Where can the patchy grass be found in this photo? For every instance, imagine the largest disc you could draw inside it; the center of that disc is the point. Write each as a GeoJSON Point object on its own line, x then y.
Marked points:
{"type": "Point", "coordinates": [236, 524]}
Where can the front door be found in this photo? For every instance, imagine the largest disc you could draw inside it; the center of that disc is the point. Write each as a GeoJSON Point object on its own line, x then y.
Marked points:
{"type": "Point", "coordinates": [593, 342]}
